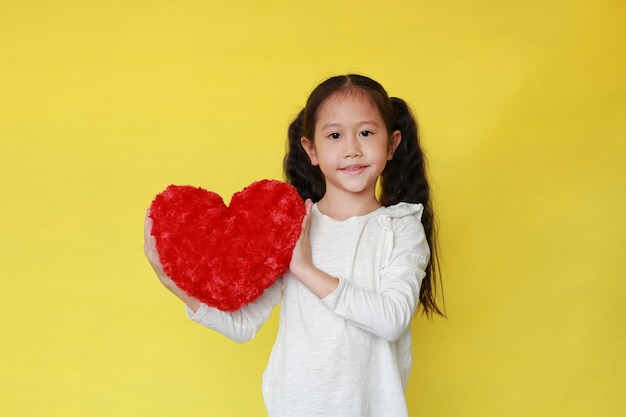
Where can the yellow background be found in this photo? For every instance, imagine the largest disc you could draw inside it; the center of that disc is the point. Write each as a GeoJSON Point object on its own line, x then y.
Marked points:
{"type": "Point", "coordinates": [103, 104]}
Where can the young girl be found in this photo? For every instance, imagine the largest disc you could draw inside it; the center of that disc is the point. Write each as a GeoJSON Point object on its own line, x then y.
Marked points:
{"type": "Point", "coordinates": [360, 268]}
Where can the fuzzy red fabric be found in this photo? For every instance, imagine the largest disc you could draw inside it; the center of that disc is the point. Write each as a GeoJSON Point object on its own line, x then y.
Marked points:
{"type": "Point", "coordinates": [226, 256]}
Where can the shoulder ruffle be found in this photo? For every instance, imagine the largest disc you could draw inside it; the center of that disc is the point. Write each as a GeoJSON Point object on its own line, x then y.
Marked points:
{"type": "Point", "coordinates": [403, 210]}
{"type": "Point", "coordinates": [396, 220]}
{"type": "Point", "coordinates": [398, 211]}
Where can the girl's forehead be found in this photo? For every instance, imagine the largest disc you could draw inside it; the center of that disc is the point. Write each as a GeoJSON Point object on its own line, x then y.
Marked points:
{"type": "Point", "coordinates": [346, 104]}
{"type": "Point", "coordinates": [350, 95]}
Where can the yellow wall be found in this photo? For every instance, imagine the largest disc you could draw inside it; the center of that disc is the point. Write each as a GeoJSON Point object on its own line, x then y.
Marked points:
{"type": "Point", "coordinates": [103, 104]}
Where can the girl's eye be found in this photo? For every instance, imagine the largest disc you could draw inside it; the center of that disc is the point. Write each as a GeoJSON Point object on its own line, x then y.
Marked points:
{"type": "Point", "coordinates": [334, 136]}
{"type": "Point", "coordinates": [366, 133]}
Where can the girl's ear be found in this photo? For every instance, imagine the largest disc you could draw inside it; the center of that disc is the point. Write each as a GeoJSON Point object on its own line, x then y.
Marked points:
{"type": "Point", "coordinates": [394, 142]}
{"type": "Point", "coordinates": [309, 148]}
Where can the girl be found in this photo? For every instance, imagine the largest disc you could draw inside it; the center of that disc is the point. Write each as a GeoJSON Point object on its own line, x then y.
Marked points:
{"type": "Point", "coordinates": [360, 268]}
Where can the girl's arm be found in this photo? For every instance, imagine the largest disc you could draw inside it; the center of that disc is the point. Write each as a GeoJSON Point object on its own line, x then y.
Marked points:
{"type": "Point", "coordinates": [241, 325]}
{"type": "Point", "coordinates": [387, 312]}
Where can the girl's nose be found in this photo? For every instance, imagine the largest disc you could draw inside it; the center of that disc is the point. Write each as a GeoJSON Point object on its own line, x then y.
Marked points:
{"type": "Point", "coordinates": [352, 148]}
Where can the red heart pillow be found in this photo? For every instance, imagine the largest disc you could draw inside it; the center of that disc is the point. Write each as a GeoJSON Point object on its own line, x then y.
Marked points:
{"type": "Point", "coordinates": [226, 256]}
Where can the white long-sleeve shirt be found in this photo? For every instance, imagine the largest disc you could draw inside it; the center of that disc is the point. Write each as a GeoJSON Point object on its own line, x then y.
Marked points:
{"type": "Point", "coordinates": [348, 354]}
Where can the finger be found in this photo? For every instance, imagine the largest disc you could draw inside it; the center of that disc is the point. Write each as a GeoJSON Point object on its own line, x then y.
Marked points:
{"type": "Point", "coordinates": [308, 204]}
{"type": "Point", "coordinates": [306, 220]}
{"type": "Point", "coordinates": [148, 224]}
{"type": "Point", "coordinates": [148, 218]}
{"type": "Point", "coordinates": [149, 239]}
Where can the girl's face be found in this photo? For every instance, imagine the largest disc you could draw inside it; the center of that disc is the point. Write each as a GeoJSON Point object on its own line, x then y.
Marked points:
{"type": "Point", "coordinates": [351, 144]}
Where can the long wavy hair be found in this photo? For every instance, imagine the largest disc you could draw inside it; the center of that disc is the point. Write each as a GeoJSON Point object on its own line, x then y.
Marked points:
{"type": "Point", "coordinates": [404, 178]}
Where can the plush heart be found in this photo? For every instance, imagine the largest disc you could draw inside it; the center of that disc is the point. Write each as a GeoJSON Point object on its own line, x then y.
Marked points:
{"type": "Point", "coordinates": [226, 256]}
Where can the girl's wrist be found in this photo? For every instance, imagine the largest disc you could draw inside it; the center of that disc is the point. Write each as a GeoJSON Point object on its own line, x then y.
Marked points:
{"type": "Point", "coordinates": [304, 271]}
{"type": "Point", "coordinates": [318, 281]}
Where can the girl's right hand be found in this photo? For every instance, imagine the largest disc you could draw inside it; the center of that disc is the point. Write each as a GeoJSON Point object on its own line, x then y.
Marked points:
{"type": "Point", "coordinates": [149, 248]}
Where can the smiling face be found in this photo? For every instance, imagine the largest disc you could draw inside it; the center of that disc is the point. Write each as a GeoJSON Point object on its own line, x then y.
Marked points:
{"type": "Point", "coordinates": [351, 145]}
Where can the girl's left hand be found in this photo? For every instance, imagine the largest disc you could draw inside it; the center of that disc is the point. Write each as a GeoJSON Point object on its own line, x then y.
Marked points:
{"type": "Point", "coordinates": [301, 258]}
{"type": "Point", "coordinates": [301, 265]}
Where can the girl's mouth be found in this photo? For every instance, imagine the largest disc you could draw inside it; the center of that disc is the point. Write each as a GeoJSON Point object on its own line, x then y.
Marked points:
{"type": "Point", "coordinates": [353, 169]}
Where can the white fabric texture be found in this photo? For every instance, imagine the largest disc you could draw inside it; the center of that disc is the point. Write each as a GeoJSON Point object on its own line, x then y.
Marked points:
{"type": "Point", "coordinates": [348, 354]}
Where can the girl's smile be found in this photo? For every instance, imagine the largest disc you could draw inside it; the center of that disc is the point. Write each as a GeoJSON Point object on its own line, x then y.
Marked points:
{"type": "Point", "coordinates": [353, 169]}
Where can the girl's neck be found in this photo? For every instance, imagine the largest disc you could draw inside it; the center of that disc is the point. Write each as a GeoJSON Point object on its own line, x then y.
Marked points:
{"type": "Point", "coordinates": [343, 207]}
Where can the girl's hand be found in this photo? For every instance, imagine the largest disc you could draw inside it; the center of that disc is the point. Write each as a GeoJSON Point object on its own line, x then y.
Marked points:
{"type": "Point", "coordinates": [301, 258]}
{"type": "Point", "coordinates": [301, 265]}
{"type": "Point", "coordinates": [149, 248]}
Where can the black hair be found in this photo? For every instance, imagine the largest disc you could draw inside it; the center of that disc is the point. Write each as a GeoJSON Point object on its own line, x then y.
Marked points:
{"type": "Point", "coordinates": [404, 178]}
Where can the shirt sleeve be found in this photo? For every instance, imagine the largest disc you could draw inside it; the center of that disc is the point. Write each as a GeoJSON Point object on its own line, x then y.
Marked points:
{"type": "Point", "coordinates": [243, 324]}
{"type": "Point", "coordinates": [387, 312]}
